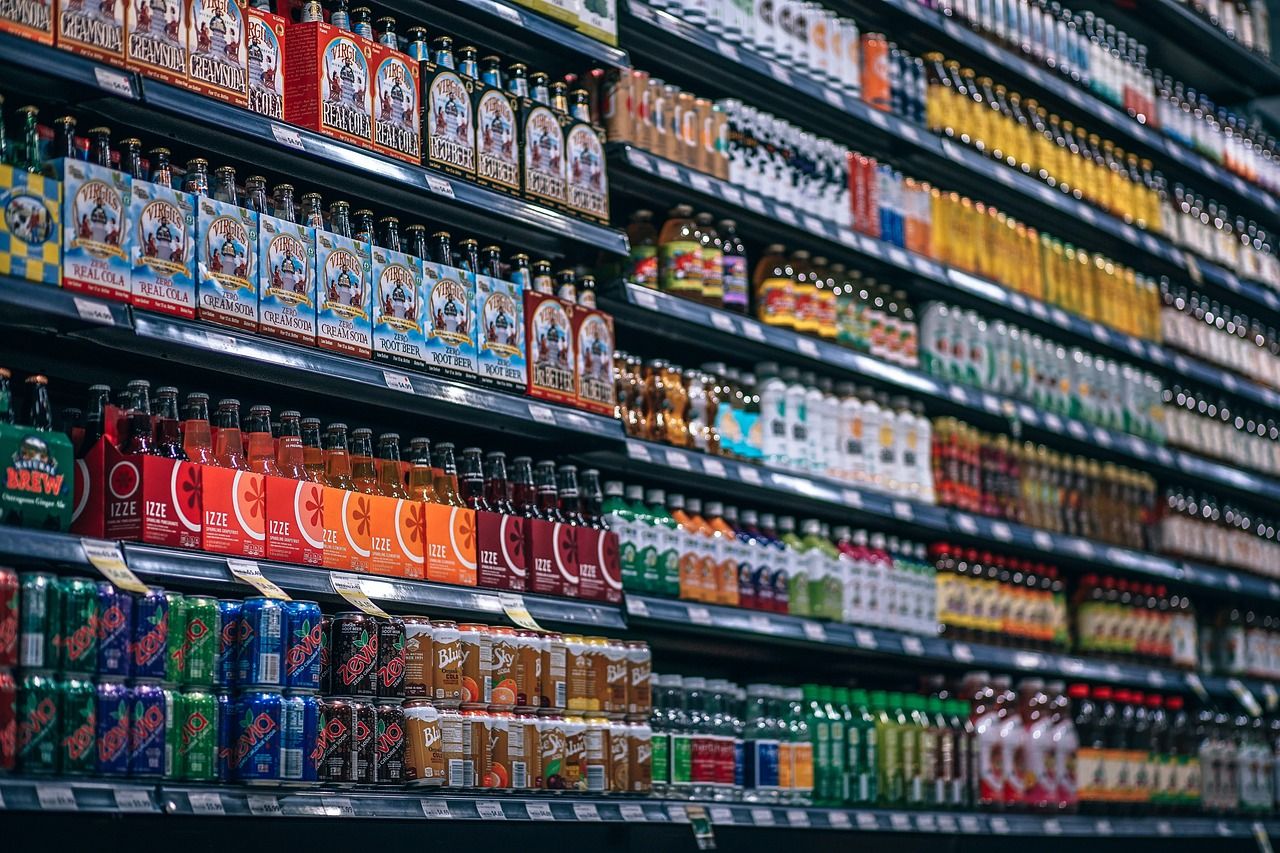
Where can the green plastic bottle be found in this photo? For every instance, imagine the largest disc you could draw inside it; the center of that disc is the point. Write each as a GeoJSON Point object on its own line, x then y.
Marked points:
{"type": "Point", "coordinates": [826, 591]}
{"type": "Point", "coordinates": [836, 777]}
{"type": "Point", "coordinates": [840, 701]}
{"type": "Point", "coordinates": [820, 734]}
{"type": "Point", "coordinates": [667, 543]}
{"type": "Point", "coordinates": [621, 519]}
{"type": "Point", "coordinates": [646, 541]}
{"type": "Point", "coordinates": [864, 751]}
{"type": "Point", "coordinates": [798, 577]}
{"type": "Point", "coordinates": [889, 764]}
{"type": "Point", "coordinates": [913, 750]}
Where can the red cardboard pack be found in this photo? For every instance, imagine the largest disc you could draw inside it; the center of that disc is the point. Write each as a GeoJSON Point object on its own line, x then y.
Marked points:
{"type": "Point", "coordinates": [593, 351]}
{"type": "Point", "coordinates": [501, 553]}
{"type": "Point", "coordinates": [295, 521]}
{"type": "Point", "coordinates": [549, 337]}
{"type": "Point", "coordinates": [599, 567]}
{"type": "Point", "coordinates": [327, 82]}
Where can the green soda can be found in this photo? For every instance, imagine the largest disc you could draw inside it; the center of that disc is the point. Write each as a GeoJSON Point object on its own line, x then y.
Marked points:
{"type": "Point", "coordinates": [173, 711]}
{"type": "Point", "coordinates": [39, 723]}
{"type": "Point", "coordinates": [38, 620]}
{"type": "Point", "coordinates": [79, 743]}
{"type": "Point", "coordinates": [177, 637]}
{"type": "Point", "coordinates": [78, 626]}
{"type": "Point", "coordinates": [200, 641]}
{"type": "Point", "coordinates": [197, 736]}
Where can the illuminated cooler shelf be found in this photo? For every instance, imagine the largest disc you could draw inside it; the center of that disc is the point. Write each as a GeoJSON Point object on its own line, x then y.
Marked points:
{"type": "Point", "coordinates": [718, 65]}
{"type": "Point", "coordinates": [235, 133]}
{"type": "Point", "coordinates": [66, 795]}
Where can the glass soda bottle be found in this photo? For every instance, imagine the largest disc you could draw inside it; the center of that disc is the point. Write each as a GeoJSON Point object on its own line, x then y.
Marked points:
{"type": "Point", "coordinates": [229, 441]}
{"type": "Point", "coordinates": [313, 456]}
{"type": "Point", "coordinates": [471, 479]}
{"type": "Point", "coordinates": [364, 474]}
{"type": "Point", "coordinates": [497, 487]}
{"type": "Point", "coordinates": [168, 441]}
{"type": "Point", "coordinates": [390, 472]}
{"type": "Point", "coordinates": [261, 446]}
{"type": "Point", "coordinates": [337, 458]}
{"type": "Point", "coordinates": [197, 437]}
{"type": "Point", "coordinates": [446, 475]}
{"type": "Point", "coordinates": [421, 474]}
{"type": "Point", "coordinates": [138, 417]}
{"type": "Point", "coordinates": [289, 458]}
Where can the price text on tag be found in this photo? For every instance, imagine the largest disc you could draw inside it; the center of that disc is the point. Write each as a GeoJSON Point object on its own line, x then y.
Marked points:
{"type": "Point", "coordinates": [108, 559]}
{"type": "Point", "coordinates": [349, 587]}
{"type": "Point", "coordinates": [249, 572]}
{"type": "Point", "coordinates": [513, 605]}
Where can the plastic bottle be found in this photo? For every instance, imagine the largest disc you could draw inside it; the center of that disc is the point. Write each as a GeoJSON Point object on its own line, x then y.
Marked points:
{"type": "Point", "coordinates": [1040, 793]}
{"type": "Point", "coordinates": [863, 755]}
{"type": "Point", "coordinates": [987, 714]}
{"type": "Point", "coordinates": [890, 778]}
{"type": "Point", "coordinates": [761, 736]}
{"type": "Point", "coordinates": [799, 603]}
{"type": "Point", "coordinates": [774, 429]}
{"type": "Point", "coordinates": [667, 544]}
{"type": "Point", "coordinates": [727, 553]}
{"type": "Point", "coordinates": [622, 521]}
{"type": "Point", "coordinates": [795, 418]}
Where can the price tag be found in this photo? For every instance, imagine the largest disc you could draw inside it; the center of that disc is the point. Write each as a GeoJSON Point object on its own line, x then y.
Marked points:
{"type": "Point", "coordinates": [93, 311]}
{"type": "Point", "coordinates": [1038, 310]}
{"type": "Point", "coordinates": [1103, 827]}
{"type": "Point", "coordinates": [753, 331]}
{"type": "Point", "coordinates": [912, 646]}
{"type": "Point", "coordinates": [1233, 582]}
{"type": "Point", "coordinates": [1197, 686]}
{"type": "Point", "coordinates": [440, 186]}
{"type": "Point", "coordinates": [865, 820]}
{"type": "Point", "coordinates": [969, 824]}
{"type": "Point", "coordinates": [637, 607]}
{"type": "Point", "coordinates": [439, 810]}
{"type": "Point", "coordinates": [728, 51]}
{"type": "Point", "coordinates": [1102, 437]}
{"type": "Point", "coordinates": [807, 347]}
{"type": "Point", "coordinates": [753, 203]}
{"type": "Point", "coordinates": [338, 807]}
{"type": "Point", "coordinates": [785, 214]}
{"type": "Point", "coordinates": [644, 298]}
{"type": "Point", "coordinates": [838, 820]}
{"type": "Point", "coordinates": [909, 133]}
{"type": "Point", "coordinates": [490, 810]}
{"type": "Point", "coordinates": [1224, 829]}
{"type": "Point", "coordinates": [676, 459]}
{"type": "Point", "coordinates": [962, 652]}
{"type": "Point", "coordinates": [965, 524]}
{"type": "Point", "coordinates": [133, 800]}
{"type": "Point", "coordinates": [947, 824]}
{"type": "Point", "coordinates": [797, 817]}
{"type": "Point", "coordinates": [677, 813]}
{"type": "Point", "coordinates": [955, 392]}
{"type": "Point", "coordinates": [586, 811]}
{"type": "Point", "coordinates": [348, 586]}
{"type": "Point", "coordinates": [851, 498]}
{"type": "Point", "coordinates": [1261, 836]}
{"type": "Point", "coordinates": [900, 822]}
{"type": "Point", "coordinates": [668, 170]}
{"type": "Point", "coordinates": [700, 183]}
{"type": "Point", "coordinates": [1273, 589]}
{"type": "Point", "coordinates": [397, 381]}
{"type": "Point", "coordinates": [832, 97]}
{"type": "Point", "coordinates": [999, 826]}
{"type": "Point", "coordinates": [114, 82]}
{"type": "Point", "coordinates": [760, 817]}
{"type": "Point", "coordinates": [723, 322]}
{"type": "Point", "coordinates": [720, 814]}
{"type": "Point", "coordinates": [1052, 827]}
{"type": "Point", "coordinates": [631, 811]}
{"type": "Point", "coordinates": [864, 639]}
{"type": "Point", "coordinates": [1155, 678]}
{"type": "Point", "coordinates": [1076, 430]}
{"type": "Point", "coordinates": [1043, 541]}
{"type": "Point", "coordinates": [731, 195]}
{"type": "Point", "coordinates": [287, 136]}
{"type": "Point", "coordinates": [542, 414]}
{"type": "Point", "coordinates": [249, 572]}
{"type": "Point", "coordinates": [878, 118]}
{"type": "Point", "coordinates": [263, 805]}
{"type": "Point", "coordinates": [926, 823]}
{"type": "Point", "coordinates": [749, 475]}
{"type": "Point", "coordinates": [713, 468]}
{"type": "Point", "coordinates": [902, 511]}
{"type": "Point", "coordinates": [206, 802]}
{"type": "Point", "coordinates": [58, 798]}
{"type": "Point", "coordinates": [1164, 827]}
{"type": "Point", "coordinates": [815, 632]}
{"type": "Point", "coordinates": [1237, 689]}
{"type": "Point", "coordinates": [760, 623]}
{"type": "Point", "coordinates": [108, 559]}
{"type": "Point", "coordinates": [1082, 548]}
{"type": "Point", "coordinates": [782, 75]}
{"type": "Point", "coordinates": [513, 605]}
{"type": "Point", "coordinates": [816, 225]}
{"type": "Point", "coordinates": [699, 615]}
{"type": "Point", "coordinates": [1001, 531]}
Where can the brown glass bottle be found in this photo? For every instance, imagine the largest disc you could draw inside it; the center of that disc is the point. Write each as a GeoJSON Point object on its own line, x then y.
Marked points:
{"type": "Point", "coordinates": [497, 487]}
{"type": "Point", "coordinates": [471, 479]}
{"type": "Point", "coordinates": [524, 496]}
{"type": "Point", "coordinates": [446, 475]}
{"type": "Point", "coordinates": [313, 458]}
{"type": "Point", "coordinates": [289, 458]}
{"type": "Point", "coordinates": [390, 472]}
{"type": "Point", "coordinates": [364, 473]}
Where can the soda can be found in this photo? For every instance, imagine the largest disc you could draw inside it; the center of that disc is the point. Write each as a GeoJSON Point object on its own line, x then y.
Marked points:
{"type": "Point", "coordinates": [300, 720]}
{"type": "Point", "coordinates": [326, 639]}
{"type": "Point", "coordinates": [200, 642]}
{"type": "Point", "coordinates": [260, 645]}
{"type": "Point", "coordinates": [228, 642]}
{"type": "Point", "coordinates": [390, 658]}
{"type": "Point", "coordinates": [148, 706]}
{"type": "Point", "coordinates": [79, 728]}
{"type": "Point", "coordinates": [354, 661]}
{"type": "Point", "coordinates": [477, 750]}
{"type": "Point", "coordinates": [446, 666]}
{"type": "Point", "coordinates": [174, 659]}
{"type": "Point", "coordinates": [8, 720]}
{"type": "Point", "coordinates": [424, 763]}
{"type": "Point", "coordinates": [365, 743]}
{"type": "Point", "coordinates": [8, 617]}
{"type": "Point", "coordinates": [198, 726]}
{"type": "Point", "coordinates": [389, 743]}
{"type": "Point", "coordinates": [115, 625]}
{"type": "Point", "coordinates": [78, 625]}
{"type": "Point", "coordinates": [451, 740]}
{"type": "Point", "coordinates": [334, 755]}
{"type": "Point", "coordinates": [112, 722]}
{"type": "Point", "coordinates": [304, 634]}
{"type": "Point", "coordinates": [226, 735]}
{"type": "Point", "coordinates": [175, 711]}
{"type": "Point", "coordinates": [477, 665]}
{"type": "Point", "coordinates": [39, 724]}
{"type": "Point", "coordinates": [38, 620]}
{"type": "Point", "coordinates": [150, 635]}
{"type": "Point", "coordinates": [505, 657]}
{"type": "Point", "coordinates": [256, 732]}
{"type": "Point", "coordinates": [417, 657]}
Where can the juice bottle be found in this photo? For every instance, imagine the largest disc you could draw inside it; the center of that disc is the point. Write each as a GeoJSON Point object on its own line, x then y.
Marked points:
{"type": "Point", "coordinates": [712, 261]}
{"type": "Point", "coordinates": [289, 450]}
{"type": "Point", "coordinates": [1157, 751]}
{"type": "Point", "coordinates": [734, 268]}
{"type": "Point", "coordinates": [680, 254]}
{"type": "Point", "coordinates": [802, 763]}
{"type": "Point", "coordinates": [261, 447]}
{"type": "Point", "coordinates": [761, 554]}
{"type": "Point", "coordinates": [815, 716]}
{"type": "Point", "coordinates": [390, 473]}
{"type": "Point", "coordinates": [667, 542]}
{"type": "Point", "coordinates": [642, 263]}
{"type": "Point", "coordinates": [364, 474]}
{"type": "Point", "coordinates": [1040, 786]}
{"type": "Point", "coordinates": [806, 293]}
{"type": "Point", "coordinates": [229, 442]}
{"type": "Point", "coordinates": [691, 549]}
{"type": "Point", "coordinates": [987, 713]}
{"type": "Point", "coordinates": [798, 580]}
{"type": "Point", "coordinates": [729, 550]}
{"type": "Point", "coordinates": [944, 759]}
{"type": "Point", "coordinates": [621, 520]}
{"type": "Point", "coordinates": [337, 458]}
{"type": "Point", "coordinates": [197, 437]}
{"type": "Point", "coordinates": [824, 299]}
{"type": "Point", "coordinates": [779, 565]}
{"type": "Point", "coordinates": [1066, 745]}
{"type": "Point", "coordinates": [826, 592]}
{"type": "Point", "coordinates": [889, 752]}
{"type": "Point", "coordinates": [137, 406]}
{"type": "Point", "coordinates": [647, 541]}
{"type": "Point", "coordinates": [421, 475]}
{"type": "Point", "coordinates": [773, 283]}
{"type": "Point", "coordinates": [966, 753]}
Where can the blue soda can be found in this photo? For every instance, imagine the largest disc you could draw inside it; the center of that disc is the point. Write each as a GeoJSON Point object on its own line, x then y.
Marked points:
{"type": "Point", "coordinates": [260, 644]}
{"type": "Point", "coordinates": [301, 718]}
{"type": "Point", "coordinates": [303, 639]}
{"type": "Point", "coordinates": [228, 639]}
{"type": "Point", "coordinates": [257, 732]}
{"type": "Point", "coordinates": [226, 737]}
{"type": "Point", "coordinates": [112, 715]}
{"type": "Point", "coordinates": [150, 635]}
{"type": "Point", "coordinates": [115, 625]}
{"type": "Point", "coordinates": [148, 709]}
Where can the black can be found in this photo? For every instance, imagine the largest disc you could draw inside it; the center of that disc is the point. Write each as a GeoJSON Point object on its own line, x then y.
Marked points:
{"type": "Point", "coordinates": [390, 743]}
{"type": "Point", "coordinates": [366, 742]}
{"type": "Point", "coordinates": [353, 664]}
{"type": "Point", "coordinates": [326, 628]}
{"type": "Point", "coordinates": [391, 658]}
{"type": "Point", "coordinates": [335, 751]}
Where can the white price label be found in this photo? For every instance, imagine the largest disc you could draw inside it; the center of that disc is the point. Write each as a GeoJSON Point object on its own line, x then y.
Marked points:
{"type": "Point", "coordinates": [786, 214]}
{"type": "Point", "coordinates": [676, 459]}
{"type": "Point", "coordinates": [713, 468]}
{"type": "Point", "coordinates": [338, 807]}
{"type": "Point", "coordinates": [912, 646]}
{"type": "Point", "coordinates": [1082, 548]}
{"type": "Point", "coordinates": [749, 475]}
{"type": "Point", "coordinates": [287, 136]}
{"type": "Point", "coordinates": [947, 824]}
{"type": "Point", "coordinates": [513, 605]}
{"type": "Point", "coordinates": [1001, 531]}
{"type": "Point", "coordinates": [397, 381]}
{"type": "Point", "coordinates": [1270, 697]}
{"type": "Point", "coordinates": [782, 75]}
{"type": "Point", "coordinates": [637, 607]}
{"type": "Point", "coordinates": [753, 203]}
{"type": "Point", "coordinates": [864, 639]}
{"type": "Point", "coordinates": [728, 51]}
{"type": "Point", "coordinates": [1102, 437]}
{"type": "Point", "coordinates": [668, 170]}
{"type": "Point", "coordinates": [900, 822]}
{"type": "Point", "coordinates": [108, 559]}
{"type": "Point", "coordinates": [115, 82]}
{"type": "Point", "coordinates": [723, 322]}
{"type": "Point", "coordinates": [815, 225]}
{"type": "Point", "coordinates": [644, 298]}
{"type": "Point", "coordinates": [762, 817]}
{"type": "Point", "coordinates": [1076, 430]}
{"type": "Point", "coordinates": [753, 331]}
{"type": "Point", "coordinates": [93, 311]}
{"type": "Point", "coordinates": [966, 524]}
{"type": "Point", "coordinates": [814, 631]}
{"type": "Point", "coordinates": [206, 802]}
{"type": "Point", "coordinates": [700, 183]}
{"type": "Point", "coordinates": [838, 820]}
{"type": "Point", "coordinates": [631, 811]}
{"type": "Point", "coordinates": [851, 498]}
{"type": "Point", "coordinates": [999, 826]}
{"type": "Point", "coordinates": [926, 823]}
{"type": "Point", "coordinates": [1164, 827]}
{"type": "Point", "coordinates": [586, 811]}
{"type": "Point", "coordinates": [133, 800]}
{"type": "Point", "coordinates": [1233, 582]}
{"type": "Point", "coordinates": [1043, 541]}
{"type": "Point", "coordinates": [1052, 827]}
{"type": "Point", "coordinates": [638, 451]}
{"type": "Point", "coordinates": [542, 414]}
{"type": "Point", "coordinates": [1224, 829]}
{"type": "Point", "coordinates": [962, 652]}
{"type": "Point", "coordinates": [720, 814]}
{"type": "Point", "coordinates": [677, 813]}
{"type": "Point", "coordinates": [731, 194]}
{"type": "Point", "coordinates": [438, 810]}
{"type": "Point", "coordinates": [807, 347]}
{"type": "Point", "coordinates": [490, 810]}
{"type": "Point", "coordinates": [539, 811]}
{"type": "Point", "coordinates": [1038, 310]}
{"type": "Point", "coordinates": [968, 824]}
{"type": "Point", "coordinates": [263, 805]}
{"type": "Point", "coordinates": [249, 572]}
{"type": "Point", "coordinates": [440, 186]}
{"type": "Point", "coordinates": [797, 817]}
{"type": "Point", "coordinates": [760, 623]}
{"type": "Point", "coordinates": [832, 97]}
{"type": "Point", "coordinates": [1102, 827]}
{"type": "Point", "coordinates": [902, 511]}
{"type": "Point", "coordinates": [699, 615]}
{"type": "Point", "coordinates": [349, 587]}
{"type": "Point", "coordinates": [1155, 678]}
{"type": "Point", "coordinates": [865, 820]}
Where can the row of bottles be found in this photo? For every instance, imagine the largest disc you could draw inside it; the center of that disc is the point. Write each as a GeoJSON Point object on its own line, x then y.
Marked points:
{"type": "Point", "coordinates": [1215, 331]}
{"type": "Point", "coordinates": [1126, 620]}
{"type": "Point", "coordinates": [999, 600]}
{"type": "Point", "coordinates": [1245, 643]}
{"type": "Point", "coordinates": [1199, 527]}
{"type": "Point", "coordinates": [1030, 484]}
{"type": "Point", "coordinates": [692, 256]}
{"type": "Point", "coordinates": [960, 346]}
{"type": "Point", "coordinates": [1208, 424]}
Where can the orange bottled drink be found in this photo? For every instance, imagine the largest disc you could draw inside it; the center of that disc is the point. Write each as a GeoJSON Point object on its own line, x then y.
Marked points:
{"type": "Point", "coordinates": [421, 475]}
{"type": "Point", "coordinates": [708, 549]}
{"type": "Point", "coordinates": [774, 284]}
{"type": "Point", "coordinates": [261, 446]}
{"type": "Point", "coordinates": [390, 473]}
{"type": "Point", "coordinates": [446, 476]}
{"type": "Point", "coordinates": [289, 450]}
{"type": "Point", "coordinates": [689, 548]}
{"type": "Point", "coordinates": [364, 474]}
{"type": "Point", "coordinates": [229, 442]}
{"type": "Point", "coordinates": [197, 438]}
{"type": "Point", "coordinates": [337, 458]}
{"type": "Point", "coordinates": [726, 572]}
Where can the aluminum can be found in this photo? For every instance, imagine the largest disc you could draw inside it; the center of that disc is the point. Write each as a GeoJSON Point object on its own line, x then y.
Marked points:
{"type": "Point", "coordinates": [149, 639]}
{"type": "Point", "coordinates": [147, 715]}
{"type": "Point", "coordinates": [228, 642]}
{"type": "Point", "coordinates": [301, 718]}
{"type": "Point", "coordinates": [256, 728]}
{"type": "Point", "coordinates": [260, 643]}
{"type": "Point", "coordinates": [201, 639]}
{"type": "Point", "coordinates": [78, 625]}
{"type": "Point", "coordinates": [115, 629]}
{"type": "Point", "coordinates": [304, 633]}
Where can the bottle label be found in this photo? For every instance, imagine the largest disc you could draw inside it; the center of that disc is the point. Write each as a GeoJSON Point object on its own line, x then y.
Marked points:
{"type": "Point", "coordinates": [642, 266]}
{"type": "Point", "coordinates": [776, 301]}
{"type": "Point", "coordinates": [704, 759]}
{"type": "Point", "coordinates": [681, 759]}
{"type": "Point", "coordinates": [660, 745]}
{"type": "Point", "coordinates": [712, 274]}
{"type": "Point", "coordinates": [735, 281]}
{"type": "Point", "coordinates": [681, 267]}
{"type": "Point", "coordinates": [786, 766]}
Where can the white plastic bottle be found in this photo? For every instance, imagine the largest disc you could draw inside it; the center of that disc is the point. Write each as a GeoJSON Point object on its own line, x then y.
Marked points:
{"type": "Point", "coordinates": [851, 435]}
{"type": "Point", "coordinates": [773, 406]}
{"type": "Point", "coordinates": [812, 458]}
{"type": "Point", "coordinates": [873, 417]}
{"type": "Point", "coordinates": [924, 454]}
{"type": "Point", "coordinates": [795, 418]}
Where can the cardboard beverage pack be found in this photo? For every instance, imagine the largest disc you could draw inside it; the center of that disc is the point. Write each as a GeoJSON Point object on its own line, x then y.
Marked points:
{"type": "Point", "coordinates": [286, 280]}
{"type": "Point", "coordinates": [95, 228]}
{"type": "Point", "coordinates": [449, 300]}
{"type": "Point", "coordinates": [155, 39]}
{"type": "Point", "coordinates": [227, 263]}
{"type": "Point", "coordinates": [346, 530]}
{"type": "Point", "coordinates": [500, 551]}
{"type": "Point", "coordinates": [343, 291]}
{"type": "Point", "coordinates": [39, 478]}
{"type": "Point", "coordinates": [93, 28]}
{"type": "Point", "coordinates": [451, 544]}
{"type": "Point", "coordinates": [397, 309]}
{"type": "Point", "coordinates": [397, 108]}
{"type": "Point", "coordinates": [542, 173]}
{"type": "Point", "coordinates": [327, 76]}
{"type": "Point", "coordinates": [266, 51]}
{"type": "Point", "coordinates": [30, 227]}
{"type": "Point", "coordinates": [164, 249]}
{"type": "Point", "coordinates": [217, 58]}
{"type": "Point", "coordinates": [497, 142]}
{"type": "Point", "coordinates": [235, 517]}
{"type": "Point", "coordinates": [593, 347]}
{"type": "Point", "coordinates": [295, 521]}
{"type": "Point", "coordinates": [599, 570]}
{"type": "Point", "coordinates": [449, 120]}
{"type": "Point", "coordinates": [549, 331]}
{"type": "Point", "coordinates": [586, 186]}
{"type": "Point", "coordinates": [391, 552]}
{"type": "Point", "coordinates": [500, 333]}
{"type": "Point", "coordinates": [31, 19]}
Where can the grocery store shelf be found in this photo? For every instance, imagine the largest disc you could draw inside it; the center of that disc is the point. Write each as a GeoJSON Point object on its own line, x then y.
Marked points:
{"type": "Point", "coordinates": [714, 64]}
{"type": "Point", "coordinates": [286, 150]}
{"type": "Point", "coordinates": [204, 571]}
{"type": "Point", "coordinates": [672, 616]}
{"type": "Point", "coordinates": [654, 178]}
{"type": "Point", "coordinates": [70, 794]}
{"type": "Point", "coordinates": [683, 319]}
